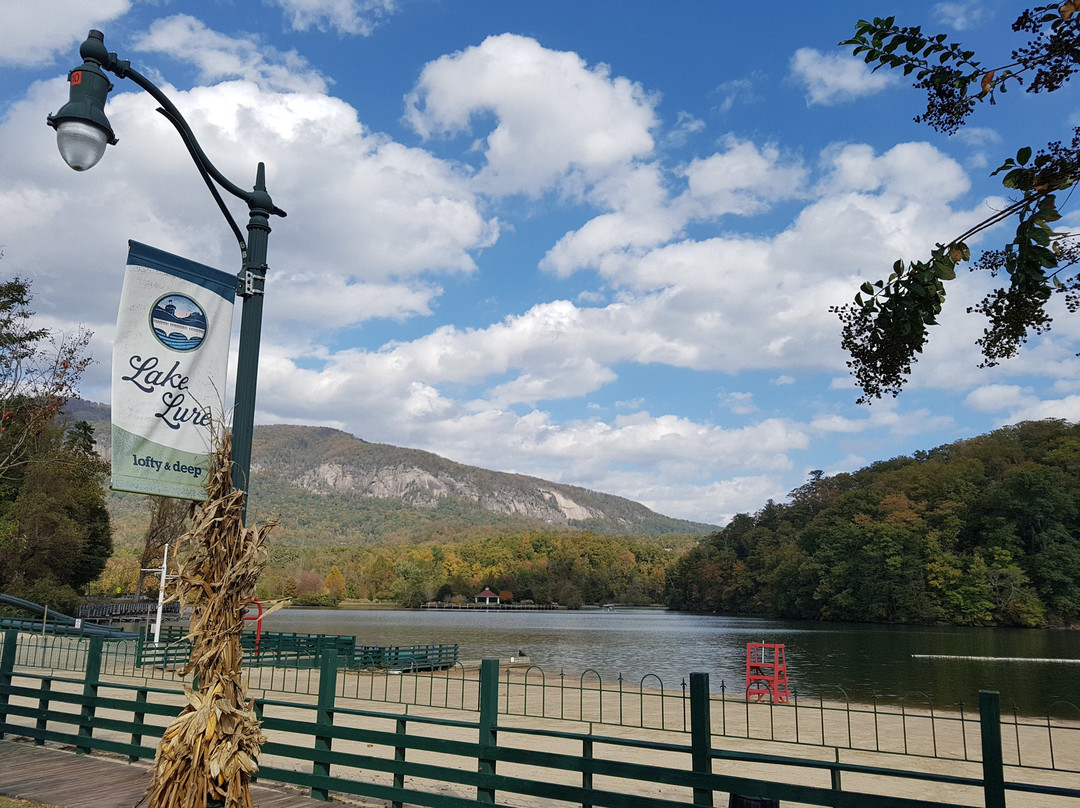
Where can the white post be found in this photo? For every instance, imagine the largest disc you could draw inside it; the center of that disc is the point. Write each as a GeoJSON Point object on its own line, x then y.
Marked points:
{"type": "Point", "coordinates": [161, 595]}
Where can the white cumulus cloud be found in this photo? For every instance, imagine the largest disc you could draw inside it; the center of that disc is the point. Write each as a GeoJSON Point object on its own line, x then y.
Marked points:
{"type": "Point", "coordinates": [344, 16]}
{"type": "Point", "coordinates": [555, 115]}
{"type": "Point", "coordinates": [36, 33]}
{"type": "Point", "coordinates": [220, 57]}
{"type": "Point", "coordinates": [832, 78]}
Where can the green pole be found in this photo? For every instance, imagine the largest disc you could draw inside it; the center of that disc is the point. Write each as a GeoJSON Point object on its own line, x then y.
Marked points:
{"type": "Point", "coordinates": [489, 723]}
{"type": "Point", "coordinates": [992, 761]}
{"type": "Point", "coordinates": [7, 671]}
{"type": "Point", "coordinates": [701, 733]}
{"type": "Point", "coordinates": [400, 730]}
{"type": "Point", "coordinates": [252, 280]}
{"type": "Point", "coordinates": [325, 719]}
{"type": "Point", "coordinates": [586, 774]}
{"type": "Point", "coordinates": [91, 679]}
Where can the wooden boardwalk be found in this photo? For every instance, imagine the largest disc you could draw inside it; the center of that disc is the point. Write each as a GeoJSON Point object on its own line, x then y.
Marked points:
{"type": "Point", "coordinates": [58, 777]}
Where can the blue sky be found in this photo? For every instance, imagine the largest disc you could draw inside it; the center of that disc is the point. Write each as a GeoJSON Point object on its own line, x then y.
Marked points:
{"type": "Point", "coordinates": [593, 242]}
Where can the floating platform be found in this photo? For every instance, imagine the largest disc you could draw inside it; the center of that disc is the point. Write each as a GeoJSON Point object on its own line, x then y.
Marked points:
{"type": "Point", "coordinates": [998, 659]}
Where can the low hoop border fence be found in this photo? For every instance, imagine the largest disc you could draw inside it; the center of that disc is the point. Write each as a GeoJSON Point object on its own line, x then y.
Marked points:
{"type": "Point", "coordinates": [426, 758]}
{"type": "Point", "coordinates": [912, 726]}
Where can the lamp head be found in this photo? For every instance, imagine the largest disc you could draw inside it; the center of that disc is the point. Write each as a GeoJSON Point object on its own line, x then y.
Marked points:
{"type": "Point", "coordinates": [82, 129]}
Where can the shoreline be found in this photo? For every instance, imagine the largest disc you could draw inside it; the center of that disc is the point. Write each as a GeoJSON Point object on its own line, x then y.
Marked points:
{"type": "Point", "coordinates": [358, 605]}
{"type": "Point", "coordinates": [870, 662]}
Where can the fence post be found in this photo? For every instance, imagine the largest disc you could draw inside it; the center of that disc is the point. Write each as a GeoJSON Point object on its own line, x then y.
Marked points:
{"type": "Point", "coordinates": [324, 717]}
{"type": "Point", "coordinates": [489, 722]}
{"type": "Point", "coordinates": [7, 670]}
{"type": "Point", "coordinates": [140, 645]}
{"type": "Point", "coordinates": [259, 708]}
{"type": "Point", "coordinates": [139, 719]}
{"type": "Point", "coordinates": [400, 729]}
{"type": "Point", "coordinates": [587, 758]}
{"type": "Point", "coordinates": [42, 723]}
{"type": "Point", "coordinates": [993, 764]}
{"type": "Point", "coordinates": [701, 733]}
{"type": "Point", "coordinates": [90, 691]}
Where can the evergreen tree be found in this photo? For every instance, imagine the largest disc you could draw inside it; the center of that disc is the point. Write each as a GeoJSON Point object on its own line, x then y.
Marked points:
{"type": "Point", "coordinates": [55, 535]}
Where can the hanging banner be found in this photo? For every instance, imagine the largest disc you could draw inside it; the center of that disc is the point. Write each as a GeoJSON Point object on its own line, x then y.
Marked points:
{"type": "Point", "coordinates": [170, 358]}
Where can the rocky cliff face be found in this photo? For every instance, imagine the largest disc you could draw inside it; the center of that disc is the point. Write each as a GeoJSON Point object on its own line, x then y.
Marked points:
{"type": "Point", "coordinates": [325, 462]}
{"type": "Point", "coordinates": [421, 487]}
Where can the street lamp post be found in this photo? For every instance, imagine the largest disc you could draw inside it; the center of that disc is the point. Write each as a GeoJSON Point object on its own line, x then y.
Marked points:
{"type": "Point", "coordinates": [82, 134]}
{"type": "Point", "coordinates": [225, 555]}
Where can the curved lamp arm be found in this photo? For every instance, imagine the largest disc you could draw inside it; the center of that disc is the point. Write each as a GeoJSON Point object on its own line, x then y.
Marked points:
{"type": "Point", "coordinates": [83, 132]}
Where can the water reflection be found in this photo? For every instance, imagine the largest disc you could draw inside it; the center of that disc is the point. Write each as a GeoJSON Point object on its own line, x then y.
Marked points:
{"type": "Point", "coordinates": [866, 660]}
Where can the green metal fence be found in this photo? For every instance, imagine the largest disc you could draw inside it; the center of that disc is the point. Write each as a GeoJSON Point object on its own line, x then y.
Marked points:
{"type": "Point", "coordinates": [911, 727]}
{"type": "Point", "coordinates": [441, 758]}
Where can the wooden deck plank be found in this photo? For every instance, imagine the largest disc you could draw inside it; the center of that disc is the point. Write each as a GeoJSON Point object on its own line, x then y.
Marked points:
{"type": "Point", "coordinates": [57, 776]}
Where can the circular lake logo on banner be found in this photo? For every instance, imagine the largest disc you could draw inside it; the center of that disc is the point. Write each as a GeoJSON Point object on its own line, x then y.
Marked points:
{"type": "Point", "coordinates": [178, 322]}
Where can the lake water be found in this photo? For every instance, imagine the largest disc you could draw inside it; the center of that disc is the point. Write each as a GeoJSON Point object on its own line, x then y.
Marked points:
{"type": "Point", "coordinates": [864, 659]}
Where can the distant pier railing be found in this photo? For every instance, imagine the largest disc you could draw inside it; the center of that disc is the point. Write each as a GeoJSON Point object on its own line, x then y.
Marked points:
{"type": "Point", "coordinates": [1030, 660]}
{"type": "Point", "coordinates": [291, 650]}
{"type": "Point", "coordinates": [127, 611]}
{"type": "Point", "coordinates": [493, 607]}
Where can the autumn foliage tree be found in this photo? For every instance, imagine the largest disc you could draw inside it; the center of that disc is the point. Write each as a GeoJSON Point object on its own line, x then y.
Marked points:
{"type": "Point", "coordinates": [55, 535]}
{"type": "Point", "coordinates": [886, 327]}
{"type": "Point", "coordinates": [39, 372]}
{"type": "Point", "coordinates": [168, 521]}
{"type": "Point", "coordinates": [335, 584]}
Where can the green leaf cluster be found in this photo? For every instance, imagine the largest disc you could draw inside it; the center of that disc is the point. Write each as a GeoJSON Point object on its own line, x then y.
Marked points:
{"type": "Point", "coordinates": [980, 532]}
{"type": "Point", "coordinates": [944, 69]}
{"type": "Point", "coordinates": [886, 327]}
{"type": "Point", "coordinates": [884, 331]}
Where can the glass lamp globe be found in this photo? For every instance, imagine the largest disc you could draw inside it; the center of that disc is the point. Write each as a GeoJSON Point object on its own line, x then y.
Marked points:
{"type": "Point", "coordinates": [81, 144]}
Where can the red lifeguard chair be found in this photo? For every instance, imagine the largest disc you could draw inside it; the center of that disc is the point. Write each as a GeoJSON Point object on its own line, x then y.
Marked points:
{"type": "Point", "coordinates": [766, 672]}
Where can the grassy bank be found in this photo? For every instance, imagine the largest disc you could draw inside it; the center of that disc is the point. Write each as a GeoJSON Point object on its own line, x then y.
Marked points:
{"type": "Point", "coordinates": [10, 802]}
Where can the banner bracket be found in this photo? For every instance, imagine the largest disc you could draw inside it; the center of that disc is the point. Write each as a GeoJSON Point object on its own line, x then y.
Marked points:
{"type": "Point", "coordinates": [252, 283]}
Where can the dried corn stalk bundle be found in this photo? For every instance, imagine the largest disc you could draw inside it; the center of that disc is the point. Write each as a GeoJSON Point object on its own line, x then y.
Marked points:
{"type": "Point", "coordinates": [209, 752]}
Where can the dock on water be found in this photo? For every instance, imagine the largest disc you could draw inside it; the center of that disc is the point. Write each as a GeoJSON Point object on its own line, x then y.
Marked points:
{"type": "Point", "coordinates": [998, 659]}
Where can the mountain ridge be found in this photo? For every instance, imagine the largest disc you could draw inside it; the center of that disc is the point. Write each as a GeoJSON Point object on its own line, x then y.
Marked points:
{"type": "Point", "coordinates": [349, 481]}
{"type": "Point", "coordinates": [340, 463]}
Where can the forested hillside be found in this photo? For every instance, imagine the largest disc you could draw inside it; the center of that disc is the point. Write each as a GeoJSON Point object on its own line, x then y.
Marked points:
{"type": "Point", "coordinates": [570, 568]}
{"type": "Point", "coordinates": [984, 531]}
{"type": "Point", "coordinates": [325, 486]}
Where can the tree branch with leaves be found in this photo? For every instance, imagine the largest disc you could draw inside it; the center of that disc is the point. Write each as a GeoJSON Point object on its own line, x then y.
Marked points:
{"type": "Point", "coordinates": [39, 373]}
{"type": "Point", "coordinates": [886, 326]}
